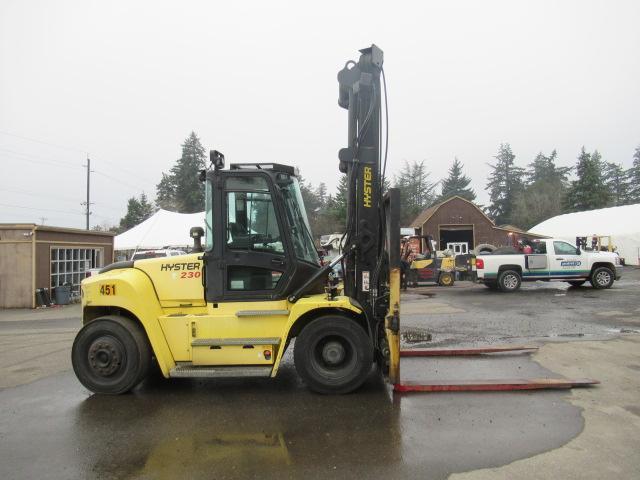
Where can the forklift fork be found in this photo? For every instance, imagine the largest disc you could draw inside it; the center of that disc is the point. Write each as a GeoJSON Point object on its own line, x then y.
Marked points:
{"type": "Point", "coordinates": [488, 385]}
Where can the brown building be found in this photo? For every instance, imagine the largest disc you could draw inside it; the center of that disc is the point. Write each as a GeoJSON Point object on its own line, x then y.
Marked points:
{"type": "Point", "coordinates": [460, 225]}
{"type": "Point", "coordinates": [38, 256]}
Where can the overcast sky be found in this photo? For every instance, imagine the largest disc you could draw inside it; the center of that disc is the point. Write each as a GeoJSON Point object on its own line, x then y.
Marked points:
{"type": "Point", "coordinates": [127, 81]}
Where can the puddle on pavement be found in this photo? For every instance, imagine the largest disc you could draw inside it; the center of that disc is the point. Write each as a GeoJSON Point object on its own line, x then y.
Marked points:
{"type": "Point", "coordinates": [264, 427]}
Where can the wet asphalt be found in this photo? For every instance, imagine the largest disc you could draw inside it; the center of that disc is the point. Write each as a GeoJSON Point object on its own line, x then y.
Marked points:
{"type": "Point", "coordinates": [263, 428]}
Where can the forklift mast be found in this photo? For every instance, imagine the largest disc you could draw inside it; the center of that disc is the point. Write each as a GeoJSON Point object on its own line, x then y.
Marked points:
{"type": "Point", "coordinates": [360, 94]}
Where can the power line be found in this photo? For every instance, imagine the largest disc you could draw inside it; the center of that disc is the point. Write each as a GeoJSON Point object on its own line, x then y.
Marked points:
{"type": "Point", "coordinates": [66, 212]}
{"type": "Point", "coordinates": [64, 199]}
{"type": "Point", "coordinates": [137, 188]}
{"type": "Point", "coordinates": [38, 157]}
{"type": "Point", "coordinates": [43, 142]}
{"type": "Point", "coordinates": [123, 169]}
{"type": "Point", "coordinates": [75, 149]}
{"type": "Point", "coordinates": [24, 158]}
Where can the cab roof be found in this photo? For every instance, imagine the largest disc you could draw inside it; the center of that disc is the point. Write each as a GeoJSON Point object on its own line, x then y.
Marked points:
{"type": "Point", "coordinates": [275, 167]}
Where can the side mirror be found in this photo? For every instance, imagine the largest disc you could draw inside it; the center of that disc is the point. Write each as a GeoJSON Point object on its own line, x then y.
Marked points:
{"type": "Point", "coordinates": [197, 233]}
{"type": "Point", "coordinates": [217, 159]}
{"type": "Point", "coordinates": [578, 251]}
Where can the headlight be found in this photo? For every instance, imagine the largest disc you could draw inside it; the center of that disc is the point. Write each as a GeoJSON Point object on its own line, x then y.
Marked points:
{"type": "Point", "coordinates": [617, 260]}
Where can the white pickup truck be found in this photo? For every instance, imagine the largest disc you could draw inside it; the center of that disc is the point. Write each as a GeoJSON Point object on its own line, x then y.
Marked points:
{"type": "Point", "coordinates": [550, 259]}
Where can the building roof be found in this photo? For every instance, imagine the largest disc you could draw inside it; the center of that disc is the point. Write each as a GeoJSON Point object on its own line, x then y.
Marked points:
{"type": "Point", "coordinates": [427, 213]}
{"type": "Point", "coordinates": [50, 228]}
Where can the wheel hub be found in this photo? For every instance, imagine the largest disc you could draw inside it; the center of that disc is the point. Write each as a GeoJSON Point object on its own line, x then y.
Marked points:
{"type": "Point", "coordinates": [105, 356]}
{"type": "Point", "coordinates": [602, 278]}
{"type": "Point", "coordinates": [333, 353]}
{"type": "Point", "coordinates": [510, 281]}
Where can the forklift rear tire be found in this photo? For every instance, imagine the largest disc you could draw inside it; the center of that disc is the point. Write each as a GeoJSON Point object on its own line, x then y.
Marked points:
{"type": "Point", "coordinates": [111, 355]}
{"type": "Point", "coordinates": [446, 279]}
{"type": "Point", "coordinates": [333, 355]}
{"type": "Point", "coordinates": [509, 281]}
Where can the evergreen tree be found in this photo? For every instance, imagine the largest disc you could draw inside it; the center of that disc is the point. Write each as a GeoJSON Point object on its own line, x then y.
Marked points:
{"type": "Point", "coordinates": [416, 191]}
{"type": "Point", "coordinates": [138, 210]}
{"type": "Point", "coordinates": [339, 204]}
{"type": "Point", "coordinates": [321, 194]}
{"type": "Point", "coordinates": [504, 185]}
{"type": "Point", "coordinates": [544, 193]}
{"type": "Point", "coordinates": [543, 169]}
{"type": "Point", "coordinates": [617, 182]}
{"type": "Point", "coordinates": [166, 193]}
{"type": "Point", "coordinates": [589, 190]}
{"type": "Point", "coordinates": [180, 190]}
{"type": "Point", "coordinates": [456, 184]}
{"type": "Point", "coordinates": [633, 177]}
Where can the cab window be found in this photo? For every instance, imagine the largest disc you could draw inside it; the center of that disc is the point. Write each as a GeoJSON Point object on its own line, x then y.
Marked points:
{"type": "Point", "coordinates": [539, 247]}
{"type": "Point", "coordinates": [564, 248]}
{"type": "Point", "coordinates": [208, 216]}
{"type": "Point", "coordinates": [249, 278]}
{"type": "Point", "coordinates": [251, 219]}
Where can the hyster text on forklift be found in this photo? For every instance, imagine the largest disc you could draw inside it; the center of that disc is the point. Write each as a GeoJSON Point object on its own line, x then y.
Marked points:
{"type": "Point", "coordinates": [232, 309]}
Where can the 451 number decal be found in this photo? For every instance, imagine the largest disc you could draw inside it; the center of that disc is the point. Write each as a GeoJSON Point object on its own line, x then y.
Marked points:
{"type": "Point", "coordinates": [107, 290]}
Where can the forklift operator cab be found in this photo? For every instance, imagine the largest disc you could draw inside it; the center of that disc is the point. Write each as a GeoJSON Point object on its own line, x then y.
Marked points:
{"type": "Point", "coordinates": [258, 242]}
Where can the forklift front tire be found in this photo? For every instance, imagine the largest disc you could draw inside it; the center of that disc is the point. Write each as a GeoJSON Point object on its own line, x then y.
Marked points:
{"type": "Point", "coordinates": [111, 355]}
{"type": "Point", "coordinates": [333, 355]}
{"type": "Point", "coordinates": [446, 279]}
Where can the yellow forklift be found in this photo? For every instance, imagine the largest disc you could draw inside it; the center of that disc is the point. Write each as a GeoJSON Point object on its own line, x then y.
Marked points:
{"type": "Point", "coordinates": [231, 308]}
{"type": "Point", "coordinates": [428, 267]}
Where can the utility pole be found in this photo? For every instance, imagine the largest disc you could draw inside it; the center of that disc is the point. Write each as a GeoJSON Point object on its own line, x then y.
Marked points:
{"type": "Point", "coordinates": [88, 202]}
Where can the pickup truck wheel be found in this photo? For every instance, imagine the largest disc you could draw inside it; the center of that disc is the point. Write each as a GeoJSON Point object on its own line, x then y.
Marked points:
{"type": "Point", "coordinates": [576, 283]}
{"type": "Point", "coordinates": [509, 281]}
{"type": "Point", "coordinates": [111, 355]}
{"type": "Point", "coordinates": [602, 277]}
{"type": "Point", "coordinates": [333, 355]}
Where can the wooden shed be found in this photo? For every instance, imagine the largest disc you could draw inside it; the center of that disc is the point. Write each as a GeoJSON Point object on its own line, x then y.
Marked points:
{"type": "Point", "coordinates": [39, 256]}
{"type": "Point", "coordinates": [461, 225]}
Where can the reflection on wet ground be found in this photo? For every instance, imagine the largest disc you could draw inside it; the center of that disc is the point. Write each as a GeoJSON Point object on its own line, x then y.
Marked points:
{"type": "Point", "coordinates": [263, 428]}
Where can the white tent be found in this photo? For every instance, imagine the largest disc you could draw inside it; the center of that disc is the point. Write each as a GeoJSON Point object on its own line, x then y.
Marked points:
{"type": "Point", "coordinates": [162, 229]}
{"type": "Point", "coordinates": [621, 223]}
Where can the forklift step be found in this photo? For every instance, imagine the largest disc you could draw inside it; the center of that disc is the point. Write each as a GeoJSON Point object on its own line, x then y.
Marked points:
{"type": "Point", "coordinates": [261, 313]}
{"type": "Point", "coordinates": [453, 352]}
{"type": "Point", "coordinates": [219, 342]}
{"type": "Point", "coordinates": [494, 385]}
{"type": "Point", "coordinates": [188, 370]}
